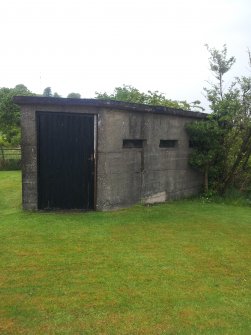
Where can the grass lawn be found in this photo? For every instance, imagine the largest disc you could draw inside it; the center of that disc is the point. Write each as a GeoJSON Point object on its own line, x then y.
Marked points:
{"type": "Point", "coordinates": [177, 268]}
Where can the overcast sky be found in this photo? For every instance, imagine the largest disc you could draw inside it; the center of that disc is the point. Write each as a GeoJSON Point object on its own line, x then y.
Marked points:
{"type": "Point", "coordinates": [95, 45]}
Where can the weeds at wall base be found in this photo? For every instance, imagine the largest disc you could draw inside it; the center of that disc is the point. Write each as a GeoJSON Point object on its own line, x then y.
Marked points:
{"type": "Point", "coordinates": [232, 197]}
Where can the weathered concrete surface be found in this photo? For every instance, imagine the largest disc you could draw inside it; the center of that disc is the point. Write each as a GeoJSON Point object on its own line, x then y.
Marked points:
{"type": "Point", "coordinates": [29, 158]}
{"type": "Point", "coordinates": [125, 176]}
{"type": "Point", "coordinates": [151, 174]}
{"type": "Point", "coordinates": [155, 198]}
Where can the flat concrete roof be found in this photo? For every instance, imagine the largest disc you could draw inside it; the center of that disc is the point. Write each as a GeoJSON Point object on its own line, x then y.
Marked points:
{"type": "Point", "coordinates": [110, 104]}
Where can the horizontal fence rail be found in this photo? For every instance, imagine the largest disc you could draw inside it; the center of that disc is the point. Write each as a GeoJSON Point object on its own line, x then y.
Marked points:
{"type": "Point", "coordinates": [10, 153]}
{"type": "Point", "coordinates": [10, 159]}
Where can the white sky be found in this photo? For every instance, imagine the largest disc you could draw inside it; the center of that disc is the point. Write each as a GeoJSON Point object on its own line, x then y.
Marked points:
{"type": "Point", "coordinates": [96, 45]}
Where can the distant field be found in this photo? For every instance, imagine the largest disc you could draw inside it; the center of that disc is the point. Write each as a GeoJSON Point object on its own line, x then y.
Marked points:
{"type": "Point", "coordinates": [177, 268]}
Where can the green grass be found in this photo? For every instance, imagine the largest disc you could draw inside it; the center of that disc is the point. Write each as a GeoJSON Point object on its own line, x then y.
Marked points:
{"type": "Point", "coordinates": [177, 268]}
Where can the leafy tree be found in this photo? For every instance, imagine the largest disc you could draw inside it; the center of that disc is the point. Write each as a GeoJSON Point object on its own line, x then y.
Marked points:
{"type": "Point", "coordinates": [10, 114]}
{"type": "Point", "coordinates": [132, 94]}
{"type": "Point", "coordinates": [56, 95]}
{"type": "Point", "coordinates": [231, 109]}
{"type": "Point", "coordinates": [206, 137]}
{"type": "Point", "coordinates": [219, 65]}
{"type": "Point", "coordinates": [74, 95]}
{"type": "Point", "coordinates": [229, 148]}
{"type": "Point", "coordinates": [47, 92]}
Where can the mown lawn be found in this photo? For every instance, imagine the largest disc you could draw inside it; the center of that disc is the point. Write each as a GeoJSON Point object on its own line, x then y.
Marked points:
{"type": "Point", "coordinates": [177, 268]}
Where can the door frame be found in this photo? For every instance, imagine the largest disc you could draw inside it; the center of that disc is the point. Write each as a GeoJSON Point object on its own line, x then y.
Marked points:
{"type": "Point", "coordinates": [95, 144]}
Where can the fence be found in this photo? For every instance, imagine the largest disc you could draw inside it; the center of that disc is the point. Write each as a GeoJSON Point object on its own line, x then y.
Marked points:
{"type": "Point", "coordinates": [10, 158]}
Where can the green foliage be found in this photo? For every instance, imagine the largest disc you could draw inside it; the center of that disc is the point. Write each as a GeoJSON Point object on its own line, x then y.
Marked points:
{"type": "Point", "coordinates": [132, 94]}
{"type": "Point", "coordinates": [2, 141]}
{"type": "Point", "coordinates": [220, 64]}
{"type": "Point", "coordinates": [10, 114]}
{"type": "Point", "coordinates": [10, 164]}
{"type": "Point", "coordinates": [47, 92]}
{"type": "Point", "coordinates": [74, 95]}
{"type": "Point", "coordinates": [206, 140]}
{"type": "Point", "coordinates": [232, 196]}
{"type": "Point", "coordinates": [229, 146]}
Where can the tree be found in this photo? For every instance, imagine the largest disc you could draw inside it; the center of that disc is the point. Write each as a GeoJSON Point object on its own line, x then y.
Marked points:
{"type": "Point", "coordinates": [132, 94]}
{"type": "Point", "coordinates": [47, 92]}
{"type": "Point", "coordinates": [10, 113]}
{"type": "Point", "coordinates": [230, 141]}
{"type": "Point", "coordinates": [206, 143]}
{"type": "Point", "coordinates": [231, 109]}
{"type": "Point", "coordinates": [238, 137]}
{"type": "Point", "coordinates": [74, 95]}
{"type": "Point", "coordinates": [219, 65]}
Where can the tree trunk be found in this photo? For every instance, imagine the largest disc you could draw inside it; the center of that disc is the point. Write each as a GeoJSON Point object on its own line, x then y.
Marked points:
{"type": "Point", "coordinates": [221, 89]}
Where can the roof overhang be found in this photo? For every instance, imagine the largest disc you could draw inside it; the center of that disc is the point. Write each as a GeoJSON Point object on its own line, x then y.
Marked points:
{"type": "Point", "coordinates": [109, 104]}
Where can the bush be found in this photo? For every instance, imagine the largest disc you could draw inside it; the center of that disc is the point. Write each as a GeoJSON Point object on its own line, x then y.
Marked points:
{"type": "Point", "coordinates": [10, 164]}
{"type": "Point", "coordinates": [232, 196]}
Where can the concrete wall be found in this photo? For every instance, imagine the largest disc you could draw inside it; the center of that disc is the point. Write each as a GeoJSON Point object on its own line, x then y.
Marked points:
{"type": "Point", "coordinates": [129, 175]}
{"type": "Point", "coordinates": [124, 176]}
{"type": "Point", "coordinates": [29, 158]}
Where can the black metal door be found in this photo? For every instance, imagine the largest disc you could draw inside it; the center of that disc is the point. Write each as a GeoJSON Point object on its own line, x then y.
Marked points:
{"type": "Point", "coordinates": [65, 161]}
